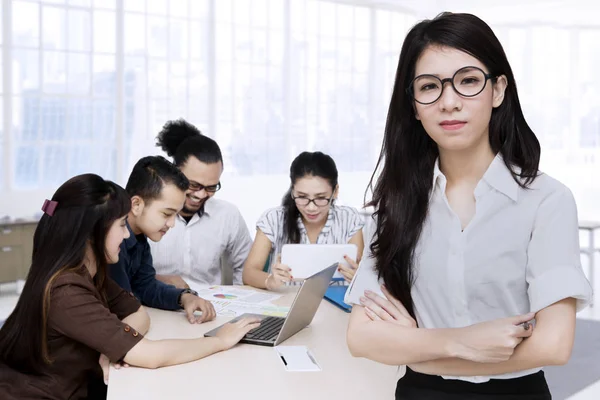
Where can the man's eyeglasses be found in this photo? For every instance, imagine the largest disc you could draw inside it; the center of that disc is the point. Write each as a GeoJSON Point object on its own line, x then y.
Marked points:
{"type": "Point", "coordinates": [195, 187]}
{"type": "Point", "coordinates": [467, 82]}
{"type": "Point", "coordinates": [319, 201]}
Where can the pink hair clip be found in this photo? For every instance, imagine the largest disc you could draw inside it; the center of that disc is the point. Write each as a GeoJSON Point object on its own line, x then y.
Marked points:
{"type": "Point", "coordinates": [49, 207]}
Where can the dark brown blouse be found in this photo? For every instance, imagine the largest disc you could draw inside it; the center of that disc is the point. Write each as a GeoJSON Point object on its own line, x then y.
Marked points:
{"type": "Point", "coordinates": [81, 326]}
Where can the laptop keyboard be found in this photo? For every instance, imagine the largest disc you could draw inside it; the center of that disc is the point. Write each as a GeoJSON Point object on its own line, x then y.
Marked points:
{"type": "Point", "coordinates": [268, 330]}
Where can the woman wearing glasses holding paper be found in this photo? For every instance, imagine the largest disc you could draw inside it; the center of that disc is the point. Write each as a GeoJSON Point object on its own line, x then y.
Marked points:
{"type": "Point", "coordinates": [308, 214]}
{"type": "Point", "coordinates": [470, 239]}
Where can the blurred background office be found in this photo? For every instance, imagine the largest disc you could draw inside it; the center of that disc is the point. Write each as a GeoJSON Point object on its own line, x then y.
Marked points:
{"type": "Point", "coordinates": [87, 84]}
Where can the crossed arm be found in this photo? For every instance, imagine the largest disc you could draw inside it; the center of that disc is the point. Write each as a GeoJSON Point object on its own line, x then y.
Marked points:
{"type": "Point", "coordinates": [468, 351]}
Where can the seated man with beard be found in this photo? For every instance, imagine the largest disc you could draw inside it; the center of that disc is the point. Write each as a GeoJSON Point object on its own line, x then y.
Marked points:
{"type": "Point", "coordinates": [207, 231]}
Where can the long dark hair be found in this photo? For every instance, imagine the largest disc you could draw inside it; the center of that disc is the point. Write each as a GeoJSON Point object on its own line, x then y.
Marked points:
{"type": "Point", "coordinates": [408, 154]}
{"type": "Point", "coordinates": [180, 140]}
{"type": "Point", "coordinates": [306, 164]}
{"type": "Point", "coordinates": [87, 207]}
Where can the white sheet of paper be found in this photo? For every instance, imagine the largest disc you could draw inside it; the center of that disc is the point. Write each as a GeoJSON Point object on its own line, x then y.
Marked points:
{"type": "Point", "coordinates": [297, 359]}
{"type": "Point", "coordinates": [364, 279]}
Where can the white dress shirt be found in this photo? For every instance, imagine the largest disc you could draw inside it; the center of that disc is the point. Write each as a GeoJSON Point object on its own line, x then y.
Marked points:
{"type": "Point", "coordinates": [519, 253]}
{"type": "Point", "coordinates": [342, 224]}
{"type": "Point", "coordinates": [195, 250]}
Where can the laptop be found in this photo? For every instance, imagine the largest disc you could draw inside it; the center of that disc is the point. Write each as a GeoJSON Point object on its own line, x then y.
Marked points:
{"type": "Point", "coordinates": [274, 330]}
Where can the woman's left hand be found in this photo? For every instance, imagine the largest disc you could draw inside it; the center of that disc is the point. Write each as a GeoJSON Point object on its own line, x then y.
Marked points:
{"type": "Point", "coordinates": [388, 309]}
{"type": "Point", "coordinates": [105, 365]}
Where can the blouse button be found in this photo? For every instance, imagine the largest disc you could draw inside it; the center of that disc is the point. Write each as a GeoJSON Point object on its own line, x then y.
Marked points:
{"type": "Point", "coordinates": [127, 328]}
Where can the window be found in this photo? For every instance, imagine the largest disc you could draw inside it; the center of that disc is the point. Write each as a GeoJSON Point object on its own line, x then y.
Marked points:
{"type": "Point", "coordinates": [62, 94]}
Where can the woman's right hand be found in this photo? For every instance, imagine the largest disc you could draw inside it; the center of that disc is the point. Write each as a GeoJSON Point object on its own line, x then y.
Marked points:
{"type": "Point", "coordinates": [280, 275]}
{"type": "Point", "coordinates": [492, 341]}
{"type": "Point", "coordinates": [349, 270]}
{"type": "Point", "coordinates": [230, 334]}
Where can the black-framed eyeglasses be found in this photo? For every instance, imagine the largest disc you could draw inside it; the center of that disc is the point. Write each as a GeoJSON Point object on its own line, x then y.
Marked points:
{"type": "Point", "coordinates": [319, 201]}
{"type": "Point", "coordinates": [195, 187]}
{"type": "Point", "coordinates": [467, 82]}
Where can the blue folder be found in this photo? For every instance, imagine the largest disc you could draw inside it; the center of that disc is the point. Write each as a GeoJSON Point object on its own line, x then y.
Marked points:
{"type": "Point", "coordinates": [335, 295]}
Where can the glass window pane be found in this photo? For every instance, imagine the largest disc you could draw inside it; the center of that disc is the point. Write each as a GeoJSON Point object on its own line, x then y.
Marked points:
{"type": "Point", "coordinates": [104, 76]}
{"type": "Point", "coordinates": [79, 120]}
{"type": "Point", "coordinates": [135, 78]}
{"type": "Point", "coordinates": [361, 56]}
{"type": "Point", "coordinates": [158, 7]}
{"type": "Point", "coordinates": [312, 16]}
{"type": "Point", "coordinates": [104, 32]}
{"type": "Point", "coordinates": [198, 40]}
{"type": "Point", "coordinates": [223, 43]}
{"type": "Point", "coordinates": [178, 40]}
{"type": "Point", "coordinates": [259, 46]}
{"type": "Point", "coordinates": [298, 10]}
{"type": "Point", "coordinates": [25, 24]}
{"type": "Point", "coordinates": [26, 71]}
{"type": "Point", "coordinates": [53, 112]}
{"type": "Point", "coordinates": [259, 13]}
{"type": "Point", "coordinates": [55, 168]}
{"type": "Point", "coordinates": [178, 82]}
{"type": "Point", "coordinates": [241, 13]}
{"type": "Point", "coordinates": [276, 48]}
{"type": "Point", "coordinates": [157, 37]}
{"type": "Point", "coordinates": [345, 18]}
{"type": "Point", "coordinates": [327, 19]}
{"type": "Point", "coordinates": [362, 22]}
{"type": "Point", "coordinates": [276, 14]}
{"type": "Point", "coordinates": [54, 32]}
{"type": "Point", "coordinates": [80, 3]}
{"type": "Point", "coordinates": [134, 5]}
{"type": "Point", "coordinates": [158, 75]}
{"type": "Point", "coordinates": [223, 11]}
{"type": "Point", "coordinates": [103, 120]}
{"type": "Point", "coordinates": [199, 8]}
{"type": "Point", "coordinates": [382, 26]}
{"type": "Point", "coordinates": [79, 73]}
{"type": "Point", "coordinates": [55, 71]}
{"type": "Point", "coordinates": [104, 4]}
{"type": "Point", "coordinates": [135, 33]}
{"type": "Point", "coordinates": [179, 8]}
{"type": "Point", "coordinates": [25, 118]}
{"type": "Point", "coordinates": [26, 167]}
{"type": "Point", "coordinates": [79, 30]}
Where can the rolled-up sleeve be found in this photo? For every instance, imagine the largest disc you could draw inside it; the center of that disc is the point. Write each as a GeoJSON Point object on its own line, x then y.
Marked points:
{"type": "Point", "coordinates": [77, 313]}
{"type": "Point", "coordinates": [554, 269]}
{"type": "Point", "coordinates": [268, 224]}
{"type": "Point", "coordinates": [120, 302]}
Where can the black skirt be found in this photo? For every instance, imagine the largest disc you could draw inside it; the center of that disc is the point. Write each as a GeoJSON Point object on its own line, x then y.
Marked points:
{"type": "Point", "coordinates": [417, 386]}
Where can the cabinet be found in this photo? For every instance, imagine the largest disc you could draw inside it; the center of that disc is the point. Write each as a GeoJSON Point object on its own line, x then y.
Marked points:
{"type": "Point", "coordinates": [16, 246]}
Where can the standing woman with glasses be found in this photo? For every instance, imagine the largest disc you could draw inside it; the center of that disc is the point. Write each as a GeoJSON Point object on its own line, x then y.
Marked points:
{"type": "Point", "coordinates": [471, 240]}
{"type": "Point", "coordinates": [307, 215]}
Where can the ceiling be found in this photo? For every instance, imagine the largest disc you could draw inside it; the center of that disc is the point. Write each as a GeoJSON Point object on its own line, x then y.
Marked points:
{"type": "Point", "coordinates": [555, 12]}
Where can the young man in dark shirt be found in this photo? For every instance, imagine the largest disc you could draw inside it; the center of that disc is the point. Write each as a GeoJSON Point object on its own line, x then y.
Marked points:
{"type": "Point", "coordinates": [157, 189]}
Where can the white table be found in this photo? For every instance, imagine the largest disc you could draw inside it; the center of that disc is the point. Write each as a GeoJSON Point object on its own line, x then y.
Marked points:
{"type": "Point", "coordinates": [255, 371]}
